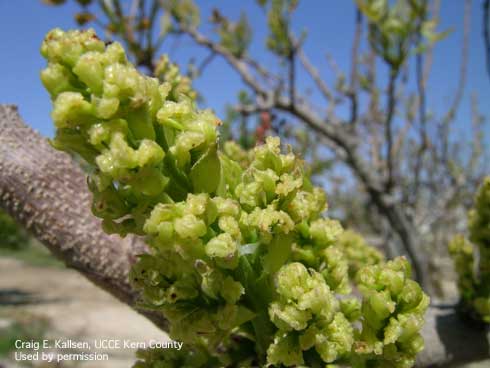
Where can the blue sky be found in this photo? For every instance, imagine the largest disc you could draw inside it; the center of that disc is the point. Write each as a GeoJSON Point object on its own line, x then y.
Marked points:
{"type": "Point", "coordinates": [329, 24]}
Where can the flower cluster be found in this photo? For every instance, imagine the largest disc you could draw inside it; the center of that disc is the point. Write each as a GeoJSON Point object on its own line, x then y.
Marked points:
{"type": "Point", "coordinates": [358, 252]}
{"type": "Point", "coordinates": [393, 308]}
{"type": "Point", "coordinates": [474, 285]}
{"type": "Point", "coordinates": [168, 73]}
{"type": "Point", "coordinates": [307, 315]}
{"type": "Point", "coordinates": [240, 248]}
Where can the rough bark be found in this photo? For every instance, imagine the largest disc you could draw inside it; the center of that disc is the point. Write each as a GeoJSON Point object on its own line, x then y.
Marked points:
{"type": "Point", "coordinates": [451, 341]}
{"type": "Point", "coordinates": [45, 190]}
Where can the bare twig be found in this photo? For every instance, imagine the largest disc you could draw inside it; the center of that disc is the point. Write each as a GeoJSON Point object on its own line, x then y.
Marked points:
{"type": "Point", "coordinates": [421, 80]}
{"type": "Point", "coordinates": [451, 113]}
{"type": "Point", "coordinates": [315, 75]}
{"type": "Point", "coordinates": [292, 76]}
{"type": "Point", "coordinates": [205, 63]}
{"type": "Point", "coordinates": [436, 6]}
{"type": "Point", "coordinates": [486, 32]}
{"type": "Point", "coordinates": [354, 68]}
{"type": "Point", "coordinates": [390, 112]}
{"type": "Point", "coordinates": [260, 69]}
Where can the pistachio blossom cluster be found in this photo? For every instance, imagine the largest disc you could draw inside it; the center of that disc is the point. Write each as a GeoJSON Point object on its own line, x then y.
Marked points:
{"type": "Point", "coordinates": [243, 263]}
{"type": "Point", "coordinates": [474, 281]}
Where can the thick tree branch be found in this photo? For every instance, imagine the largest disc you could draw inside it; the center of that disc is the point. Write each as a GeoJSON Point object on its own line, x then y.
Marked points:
{"type": "Point", "coordinates": [46, 191]}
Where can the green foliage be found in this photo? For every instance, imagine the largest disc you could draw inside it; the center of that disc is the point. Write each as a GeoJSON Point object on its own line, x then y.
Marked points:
{"type": "Point", "coordinates": [169, 74]}
{"type": "Point", "coordinates": [358, 252]}
{"type": "Point", "coordinates": [240, 248]}
{"type": "Point", "coordinates": [393, 307]}
{"type": "Point", "coordinates": [397, 29]}
{"type": "Point", "coordinates": [24, 327]}
{"type": "Point", "coordinates": [279, 22]}
{"type": "Point", "coordinates": [184, 12]}
{"type": "Point", "coordinates": [12, 235]}
{"type": "Point", "coordinates": [184, 358]}
{"type": "Point", "coordinates": [235, 36]}
{"type": "Point", "coordinates": [474, 281]}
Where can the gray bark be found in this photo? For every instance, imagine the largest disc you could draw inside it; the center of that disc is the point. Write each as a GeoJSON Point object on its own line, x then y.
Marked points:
{"type": "Point", "coordinates": [46, 191]}
{"type": "Point", "coordinates": [451, 341]}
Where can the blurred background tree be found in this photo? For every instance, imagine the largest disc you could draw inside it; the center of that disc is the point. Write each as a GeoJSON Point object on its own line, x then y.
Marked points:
{"type": "Point", "coordinates": [12, 235]}
{"type": "Point", "coordinates": [400, 172]}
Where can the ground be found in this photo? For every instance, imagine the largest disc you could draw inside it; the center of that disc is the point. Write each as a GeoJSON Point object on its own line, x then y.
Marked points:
{"type": "Point", "coordinates": [66, 305]}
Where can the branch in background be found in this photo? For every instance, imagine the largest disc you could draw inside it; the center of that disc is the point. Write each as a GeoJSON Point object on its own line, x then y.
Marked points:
{"type": "Point", "coordinates": [436, 6]}
{"type": "Point", "coordinates": [292, 75]}
{"type": "Point", "coordinates": [486, 32]}
{"type": "Point", "coordinates": [315, 75]}
{"type": "Point", "coordinates": [46, 191]}
{"type": "Point", "coordinates": [135, 29]}
{"type": "Point", "coordinates": [390, 112]}
{"type": "Point", "coordinates": [205, 63]}
{"type": "Point", "coordinates": [261, 70]}
{"type": "Point", "coordinates": [354, 67]}
{"type": "Point", "coordinates": [421, 82]}
{"type": "Point", "coordinates": [449, 341]}
{"type": "Point", "coordinates": [451, 113]}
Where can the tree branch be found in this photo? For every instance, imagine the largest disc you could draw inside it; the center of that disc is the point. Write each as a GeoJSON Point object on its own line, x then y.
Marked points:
{"type": "Point", "coordinates": [390, 112]}
{"type": "Point", "coordinates": [315, 75]}
{"type": "Point", "coordinates": [486, 33]}
{"type": "Point", "coordinates": [451, 113]}
{"type": "Point", "coordinates": [450, 341]}
{"type": "Point", "coordinates": [354, 68]}
{"type": "Point", "coordinates": [46, 191]}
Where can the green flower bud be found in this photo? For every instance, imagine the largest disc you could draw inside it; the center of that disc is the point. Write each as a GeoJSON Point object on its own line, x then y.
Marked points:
{"type": "Point", "coordinates": [66, 48]}
{"type": "Point", "coordinates": [285, 350]}
{"type": "Point", "coordinates": [351, 308]}
{"type": "Point", "coordinates": [307, 205]}
{"type": "Point", "coordinates": [393, 306]}
{"type": "Point", "coordinates": [70, 110]}
{"type": "Point", "coordinates": [224, 249]}
{"type": "Point", "coordinates": [357, 252]}
{"type": "Point", "coordinates": [189, 226]}
{"type": "Point", "coordinates": [229, 225]}
{"type": "Point", "coordinates": [289, 317]}
{"type": "Point", "coordinates": [291, 280]}
{"type": "Point", "coordinates": [227, 207]}
{"type": "Point", "coordinates": [325, 232]}
{"type": "Point", "coordinates": [335, 270]}
{"type": "Point", "coordinates": [335, 340]}
{"type": "Point", "coordinates": [57, 79]}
